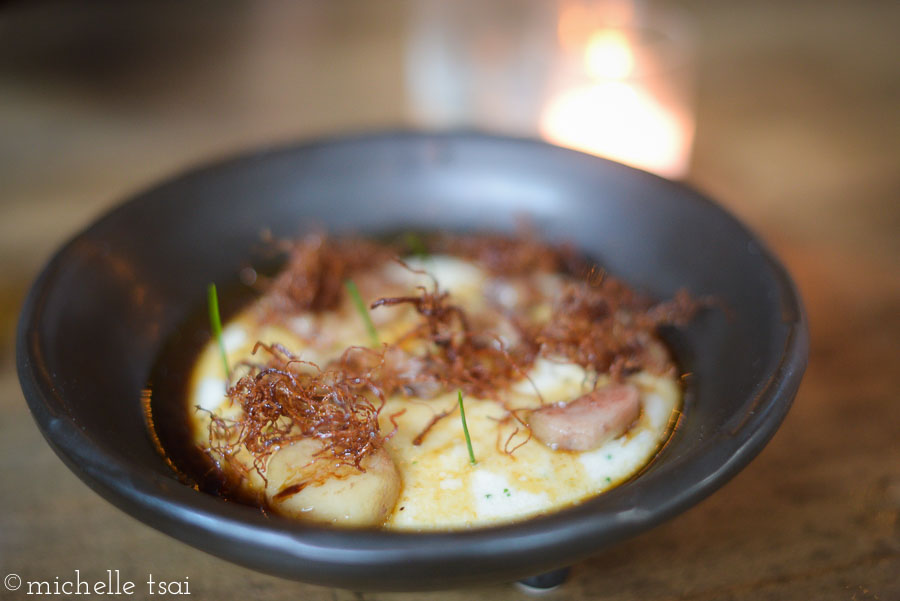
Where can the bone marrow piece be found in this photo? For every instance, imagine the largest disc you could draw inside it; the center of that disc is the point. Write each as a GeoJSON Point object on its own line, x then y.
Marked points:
{"type": "Point", "coordinates": [589, 421]}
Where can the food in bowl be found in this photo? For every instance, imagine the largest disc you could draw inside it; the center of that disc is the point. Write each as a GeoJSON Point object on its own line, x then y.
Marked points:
{"type": "Point", "coordinates": [441, 383]}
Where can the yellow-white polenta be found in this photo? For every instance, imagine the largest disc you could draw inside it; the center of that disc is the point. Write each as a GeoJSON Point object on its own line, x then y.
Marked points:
{"type": "Point", "coordinates": [440, 488]}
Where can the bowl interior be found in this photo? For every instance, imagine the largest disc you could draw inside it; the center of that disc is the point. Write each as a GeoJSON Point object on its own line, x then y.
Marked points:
{"type": "Point", "coordinates": [99, 314]}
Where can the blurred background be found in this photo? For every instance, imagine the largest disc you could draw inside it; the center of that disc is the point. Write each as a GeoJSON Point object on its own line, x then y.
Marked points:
{"type": "Point", "coordinates": [786, 113]}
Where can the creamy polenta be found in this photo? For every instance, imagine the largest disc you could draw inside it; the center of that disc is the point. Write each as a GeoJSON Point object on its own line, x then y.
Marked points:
{"type": "Point", "coordinates": [562, 422]}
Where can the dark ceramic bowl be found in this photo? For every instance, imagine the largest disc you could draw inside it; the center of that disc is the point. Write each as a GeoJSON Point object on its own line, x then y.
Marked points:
{"type": "Point", "coordinates": [99, 313]}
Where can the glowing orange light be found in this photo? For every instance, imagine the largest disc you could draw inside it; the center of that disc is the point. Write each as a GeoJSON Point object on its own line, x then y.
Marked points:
{"type": "Point", "coordinates": [611, 113]}
{"type": "Point", "coordinates": [618, 121]}
{"type": "Point", "coordinates": [608, 55]}
{"type": "Point", "coordinates": [574, 26]}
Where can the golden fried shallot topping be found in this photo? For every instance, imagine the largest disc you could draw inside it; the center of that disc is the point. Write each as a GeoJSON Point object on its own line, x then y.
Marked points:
{"type": "Point", "coordinates": [597, 322]}
{"type": "Point", "coordinates": [285, 399]}
{"type": "Point", "coordinates": [317, 265]}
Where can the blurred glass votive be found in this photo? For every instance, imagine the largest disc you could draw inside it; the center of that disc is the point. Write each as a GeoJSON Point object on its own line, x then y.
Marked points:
{"type": "Point", "coordinates": [623, 85]}
{"type": "Point", "coordinates": [612, 78]}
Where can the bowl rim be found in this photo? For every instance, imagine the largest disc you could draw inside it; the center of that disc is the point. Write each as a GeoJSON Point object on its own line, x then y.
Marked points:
{"type": "Point", "coordinates": [145, 495]}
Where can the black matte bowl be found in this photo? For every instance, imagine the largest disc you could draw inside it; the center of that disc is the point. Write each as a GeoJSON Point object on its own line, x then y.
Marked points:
{"type": "Point", "coordinates": [98, 315]}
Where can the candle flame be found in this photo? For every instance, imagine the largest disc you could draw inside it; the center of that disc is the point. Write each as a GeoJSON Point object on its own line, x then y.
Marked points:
{"type": "Point", "coordinates": [612, 113]}
{"type": "Point", "coordinates": [608, 55]}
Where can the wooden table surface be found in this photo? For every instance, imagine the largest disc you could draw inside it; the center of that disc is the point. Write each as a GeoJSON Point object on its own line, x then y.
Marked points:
{"type": "Point", "coordinates": [799, 135]}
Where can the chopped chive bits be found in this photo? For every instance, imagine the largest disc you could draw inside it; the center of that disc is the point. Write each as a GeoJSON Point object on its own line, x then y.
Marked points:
{"type": "Point", "coordinates": [462, 415]}
{"type": "Point", "coordinates": [415, 245]}
{"type": "Point", "coordinates": [215, 324]}
{"type": "Point", "coordinates": [360, 305]}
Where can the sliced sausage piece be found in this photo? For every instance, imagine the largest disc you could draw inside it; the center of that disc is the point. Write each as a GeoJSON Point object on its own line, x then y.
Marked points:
{"type": "Point", "coordinates": [306, 488]}
{"type": "Point", "coordinates": [588, 421]}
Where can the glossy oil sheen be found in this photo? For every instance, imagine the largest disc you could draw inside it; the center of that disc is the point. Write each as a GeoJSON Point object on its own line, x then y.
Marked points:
{"type": "Point", "coordinates": [98, 315]}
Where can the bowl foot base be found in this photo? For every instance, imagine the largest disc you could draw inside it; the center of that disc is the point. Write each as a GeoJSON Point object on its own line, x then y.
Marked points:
{"type": "Point", "coordinates": [545, 582]}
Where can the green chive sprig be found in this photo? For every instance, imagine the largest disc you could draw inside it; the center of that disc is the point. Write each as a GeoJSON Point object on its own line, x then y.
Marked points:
{"type": "Point", "coordinates": [462, 415]}
{"type": "Point", "coordinates": [355, 296]}
{"type": "Point", "coordinates": [215, 324]}
{"type": "Point", "coordinates": [415, 245]}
